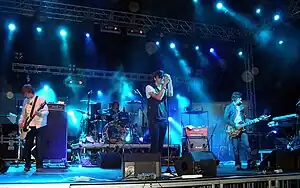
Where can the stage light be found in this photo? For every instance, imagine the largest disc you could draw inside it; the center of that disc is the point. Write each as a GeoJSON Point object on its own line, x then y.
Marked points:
{"type": "Point", "coordinates": [276, 17]}
{"type": "Point", "coordinates": [177, 96]}
{"type": "Point", "coordinates": [219, 6]}
{"type": "Point", "coordinates": [211, 50]}
{"type": "Point", "coordinates": [195, 1]}
{"type": "Point", "coordinates": [141, 139]}
{"type": "Point", "coordinates": [197, 48]}
{"type": "Point", "coordinates": [240, 53]}
{"type": "Point", "coordinates": [11, 27]}
{"type": "Point", "coordinates": [170, 119]}
{"type": "Point", "coordinates": [157, 43]}
{"type": "Point", "coordinates": [172, 45]}
{"type": "Point", "coordinates": [280, 42]}
{"type": "Point", "coordinates": [71, 113]}
{"type": "Point", "coordinates": [99, 93]}
{"type": "Point", "coordinates": [258, 11]}
{"type": "Point", "coordinates": [46, 87]}
{"type": "Point", "coordinates": [87, 35]}
{"type": "Point", "coordinates": [39, 29]}
{"type": "Point", "coordinates": [63, 33]}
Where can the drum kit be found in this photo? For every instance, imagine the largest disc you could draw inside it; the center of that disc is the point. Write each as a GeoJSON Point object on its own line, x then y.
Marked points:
{"type": "Point", "coordinates": [106, 126]}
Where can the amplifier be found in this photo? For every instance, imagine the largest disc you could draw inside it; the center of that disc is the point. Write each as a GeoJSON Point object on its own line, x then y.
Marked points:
{"type": "Point", "coordinates": [56, 107]}
{"type": "Point", "coordinates": [196, 131]}
{"type": "Point", "coordinates": [9, 148]}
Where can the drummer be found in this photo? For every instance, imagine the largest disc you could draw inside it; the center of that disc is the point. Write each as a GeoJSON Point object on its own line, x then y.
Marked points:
{"type": "Point", "coordinates": [113, 110]}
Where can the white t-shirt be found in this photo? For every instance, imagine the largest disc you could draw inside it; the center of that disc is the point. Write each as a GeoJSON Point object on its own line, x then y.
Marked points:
{"type": "Point", "coordinates": [149, 89]}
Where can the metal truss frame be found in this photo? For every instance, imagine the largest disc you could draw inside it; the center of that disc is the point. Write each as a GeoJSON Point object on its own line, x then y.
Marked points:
{"type": "Point", "coordinates": [85, 73]}
{"type": "Point", "coordinates": [74, 13]}
{"type": "Point", "coordinates": [294, 9]}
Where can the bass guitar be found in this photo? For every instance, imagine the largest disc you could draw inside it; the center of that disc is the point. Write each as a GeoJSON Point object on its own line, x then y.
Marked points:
{"type": "Point", "coordinates": [28, 120]}
{"type": "Point", "coordinates": [234, 131]}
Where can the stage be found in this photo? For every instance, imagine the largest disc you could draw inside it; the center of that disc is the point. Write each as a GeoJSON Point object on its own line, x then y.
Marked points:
{"type": "Point", "coordinates": [97, 177]}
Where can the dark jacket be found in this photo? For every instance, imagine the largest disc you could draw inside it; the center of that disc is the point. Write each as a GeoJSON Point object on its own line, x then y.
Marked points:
{"type": "Point", "coordinates": [230, 114]}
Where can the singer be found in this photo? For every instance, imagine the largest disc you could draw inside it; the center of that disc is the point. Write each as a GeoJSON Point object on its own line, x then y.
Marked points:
{"type": "Point", "coordinates": [157, 108]}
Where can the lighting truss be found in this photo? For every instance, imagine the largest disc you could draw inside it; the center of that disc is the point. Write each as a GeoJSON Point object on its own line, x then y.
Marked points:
{"type": "Point", "coordinates": [85, 73]}
{"type": "Point", "coordinates": [294, 9]}
{"type": "Point", "coordinates": [74, 13]}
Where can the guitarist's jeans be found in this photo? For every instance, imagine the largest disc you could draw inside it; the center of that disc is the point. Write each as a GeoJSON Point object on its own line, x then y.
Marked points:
{"type": "Point", "coordinates": [157, 130]}
{"type": "Point", "coordinates": [29, 143]}
{"type": "Point", "coordinates": [243, 141]}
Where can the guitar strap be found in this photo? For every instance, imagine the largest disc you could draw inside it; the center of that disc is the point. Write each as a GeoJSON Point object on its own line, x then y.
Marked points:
{"type": "Point", "coordinates": [33, 106]}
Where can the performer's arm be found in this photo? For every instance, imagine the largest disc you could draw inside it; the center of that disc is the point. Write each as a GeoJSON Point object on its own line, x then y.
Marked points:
{"type": "Point", "coordinates": [23, 114]}
{"type": "Point", "coordinates": [227, 118]}
{"type": "Point", "coordinates": [158, 96]}
{"type": "Point", "coordinates": [170, 86]}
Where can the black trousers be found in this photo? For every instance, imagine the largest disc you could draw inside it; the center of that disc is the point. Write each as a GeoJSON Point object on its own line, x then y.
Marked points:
{"type": "Point", "coordinates": [29, 143]}
{"type": "Point", "coordinates": [157, 130]}
{"type": "Point", "coordinates": [237, 142]}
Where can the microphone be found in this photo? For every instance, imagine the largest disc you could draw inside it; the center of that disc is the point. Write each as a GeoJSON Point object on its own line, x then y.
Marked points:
{"type": "Point", "coordinates": [138, 92]}
{"type": "Point", "coordinates": [90, 92]}
{"type": "Point", "coordinates": [298, 103]}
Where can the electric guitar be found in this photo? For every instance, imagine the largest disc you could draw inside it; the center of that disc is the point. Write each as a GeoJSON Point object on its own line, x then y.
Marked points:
{"type": "Point", "coordinates": [28, 120]}
{"type": "Point", "coordinates": [234, 131]}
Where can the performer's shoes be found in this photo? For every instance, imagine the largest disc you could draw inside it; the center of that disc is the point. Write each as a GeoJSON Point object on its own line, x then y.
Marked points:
{"type": "Point", "coordinates": [26, 169]}
{"type": "Point", "coordinates": [238, 167]}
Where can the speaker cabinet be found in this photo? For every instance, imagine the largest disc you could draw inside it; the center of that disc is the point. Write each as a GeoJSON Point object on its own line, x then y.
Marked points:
{"type": "Point", "coordinates": [195, 163]}
{"type": "Point", "coordinates": [109, 160]}
{"type": "Point", "coordinates": [286, 160]}
{"type": "Point", "coordinates": [4, 166]}
{"type": "Point", "coordinates": [54, 139]}
{"type": "Point", "coordinates": [135, 164]}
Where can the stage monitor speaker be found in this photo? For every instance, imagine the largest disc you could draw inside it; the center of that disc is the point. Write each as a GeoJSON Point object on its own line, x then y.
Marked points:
{"type": "Point", "coordinates": [54, 139]}
{"type": "Point", "coordinates": [109, 160]}
{"type": "Point", "coordinates": [135, 164]}
{"type": "Point", "coordinates": [286, 160]}
{"type": "Point", "coordinates": [4, 166]}
{"type": "Point", "coordinates": [195, 163]}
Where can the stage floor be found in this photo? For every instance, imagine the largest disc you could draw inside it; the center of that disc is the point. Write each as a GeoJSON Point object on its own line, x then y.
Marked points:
{"type": "Point", "coordinates": [16, 174]}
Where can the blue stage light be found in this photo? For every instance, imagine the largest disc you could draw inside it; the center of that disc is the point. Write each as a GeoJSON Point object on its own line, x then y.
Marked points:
{"type": "Point", "coordinates": [196, 47]}
{"type": "Point", "coordinates": [195, 1]}
{"type": "Point", "coordinates": [63, 33]}
{"type": "Point", "coordinates": [170, 119]}
{"type": "Point", "coordinates": [46, 87]}
{"type": "Point", "coordinates": [157, 43]}
{"type": "Point", "coordinates": [172, 45]}
{"type": "Point", "coordinates": [276, 17]}
{"type": "Point", "coordinates": [39, 29]}
{"type": "Point", "coordinates": [258, 11]}
{"type": "Point", "coordinates": [219, 6]}
{"type": "Point", "coordinates": [280, 42]}
{"type": "Point", "coordinates": [11, 27]}
{"type": "Point", "coordinates": [99, 93]}
{"type": "Point", "coordinates": [211, 50]}
{"type": "Point", "coordinates": [87, 35]}
{"type": "Point", "coordinates": [177, 96]}
{"type": "Point", "coordinates": [240, 53]}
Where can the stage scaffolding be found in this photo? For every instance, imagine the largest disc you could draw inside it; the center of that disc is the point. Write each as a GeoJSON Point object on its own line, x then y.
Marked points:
{"type": "Point", "coordinates": [80, 14]}
{"type": "Point", "coordinates": [85, 73]}
{"type": "Point", "coordinates": [74, 13]}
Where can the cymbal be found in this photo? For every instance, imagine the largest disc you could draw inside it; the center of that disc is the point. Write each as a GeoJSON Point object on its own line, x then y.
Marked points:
{"type": "Point", "coordinates": [81, 111]}
{"type": "Point", "coordinates": [86, 101]}
{"type": "Point", "coordinates": [133, 102]}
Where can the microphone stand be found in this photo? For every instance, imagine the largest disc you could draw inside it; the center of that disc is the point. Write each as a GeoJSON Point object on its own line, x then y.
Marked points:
{"type": "Point", "coordinates": [168, 170]}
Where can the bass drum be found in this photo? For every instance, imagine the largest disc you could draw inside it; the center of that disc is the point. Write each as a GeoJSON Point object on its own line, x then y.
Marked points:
{"type": "Point", "coordinates": [114, 133]}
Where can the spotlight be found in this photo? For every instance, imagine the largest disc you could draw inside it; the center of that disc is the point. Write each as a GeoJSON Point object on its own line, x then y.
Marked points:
{"type": "Point", "coordinates": [170, 119]}
{"type": "Point", "coordinates": [195, 1]}
{"type": "Point", "coordinates": [99, 93]}
{"type": "Point", "coordinates": [197, 48]}
{"type": "Point", "coordinates": [12, 27]}
{"type": "Point", "coordinates": [219, 6]}
{"type": "Point", "coordinates": [87, 35]}
{"type": "Point", "coordinates": [39, 29]}
{"type": "Point", "coordinates": [276, 17]}
{"type": "Point", "coordinates": [211, 50]}
{"type": "Point", "coordinates": [63, 33]}
{"type": "Point", "coordinates": [240, 53]}
{"type": "Point", "coordinates": [71, 113]}
{"type": "Point", "coordinates": [177, 96]}
{"type": "Point", "coordinates": [46, 87]}
{"type": "Point", "coordinates": [258, 11]}
{"type": "Point", "coordinates": [157, 43]}
{"type": "Point", "coordinates": [172, 45]}
{"type": "Point", "coordinates": [280, 42]}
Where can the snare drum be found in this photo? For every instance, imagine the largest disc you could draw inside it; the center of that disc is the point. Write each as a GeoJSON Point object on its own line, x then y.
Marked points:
{"type": "Point", "coordinates": [123, 118]}
{"type": "Point", "coordinates": [114, 133]}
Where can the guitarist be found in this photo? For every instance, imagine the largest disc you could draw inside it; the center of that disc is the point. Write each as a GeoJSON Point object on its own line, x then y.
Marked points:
{"type": "Point", "coordinates": [30, 105]}
{"type": "Point", "coordinates": [234, 113]}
